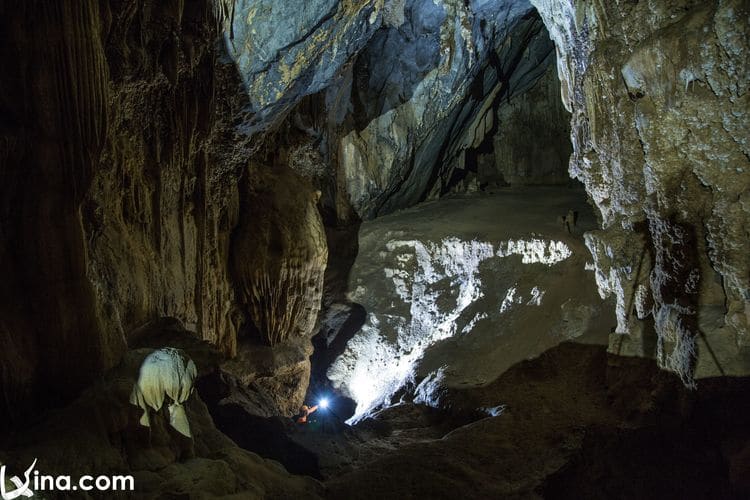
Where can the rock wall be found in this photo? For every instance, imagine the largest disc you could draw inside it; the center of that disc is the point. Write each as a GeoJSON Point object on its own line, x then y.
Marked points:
{"type": "Point", "coordinates": [286, 50]}
{"type": "Point", "coordinates": [162, 204]}
{"type": "Point", "coordinates": [125, 184]}
{"type": "Point", "coordinates": [53, 130]}
{"type": "Point", "coordinates": [658, 93]}
{"type": "Point", "coordinates": [423, 93]}
{"type": "Point", "coordinates": [144, 143]}
{"type": "Point", "coordinates": [391, 126]}
{"type": "Point", "coordinates": [100, 431]}
{"type": "Point", "coordinates": [532, 142]}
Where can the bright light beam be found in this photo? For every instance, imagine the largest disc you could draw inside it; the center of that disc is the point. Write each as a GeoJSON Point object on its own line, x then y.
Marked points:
{"type": "Point", "coordinates": [323, 403]}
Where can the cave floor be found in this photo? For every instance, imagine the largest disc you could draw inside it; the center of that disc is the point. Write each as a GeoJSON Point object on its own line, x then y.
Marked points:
{"type": "Point", "coordinates": [578, 423]}
{"type": "Point", "coordinates": [495, 214]}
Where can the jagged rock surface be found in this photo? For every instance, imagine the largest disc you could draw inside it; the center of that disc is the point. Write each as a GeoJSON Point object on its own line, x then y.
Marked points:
{"type": "Point", "coordinates": [457, 311]}
{"type": "Point", "coordinates": [518, 161]}
{"type": "Point", "coordinates": [416, 116]}
{"type": "Point", "coordinates": [124, 185]}
{"type": "Point", "coordinates": [659, 96]}
{"type": "Point", "coordinates": [132, 143]}
{"type": "Point", "coordinates": [286, 50]}
{"type": "Point", "coordinates": [577, 423]}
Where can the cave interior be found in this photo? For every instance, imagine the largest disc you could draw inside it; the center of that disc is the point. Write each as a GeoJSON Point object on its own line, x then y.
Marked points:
{"type": "Point", "coordinates": [496, 248]}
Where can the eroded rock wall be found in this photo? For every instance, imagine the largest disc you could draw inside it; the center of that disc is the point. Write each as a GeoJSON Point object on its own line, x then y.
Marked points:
{"type": "Point", "coordinates": [144, 143]}
{"type": "Point", "coordinates": [659, 96]}
{"type": "Point", "coordinates": [532, 142]}
{"type": "Point", "coordinates": [162, 204]}
{"type": "Point", "coordinates": [124, 186]}
{"type": "Point", "coordinates": [286, 50]}
{"type": "Point", "coordinates": [455, 294]}
{"type": "Point", "coordinates": [53, 130]}
{"type": "Point", "coordinates": [423, 92]}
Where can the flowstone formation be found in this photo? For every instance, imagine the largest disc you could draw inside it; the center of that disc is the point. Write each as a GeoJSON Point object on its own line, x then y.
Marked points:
{"type": "Point", "coordinates": [165, 373]}
{"type": "Point", "coordinates": [659, 98]}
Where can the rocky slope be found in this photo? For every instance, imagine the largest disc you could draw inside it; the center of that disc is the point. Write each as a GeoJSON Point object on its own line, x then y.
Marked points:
{"type": "Point", "coordinates": [508, 283]}
{"type": "Point", "coordinates": [577, 423]}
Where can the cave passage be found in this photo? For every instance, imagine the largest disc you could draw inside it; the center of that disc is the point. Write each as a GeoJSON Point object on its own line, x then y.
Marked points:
{"type": "Point", "coordinates": [375, 249]}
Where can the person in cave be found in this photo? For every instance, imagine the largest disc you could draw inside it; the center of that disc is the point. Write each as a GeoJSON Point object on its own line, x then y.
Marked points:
{"type": "Point", "coordinates": [304, 412]}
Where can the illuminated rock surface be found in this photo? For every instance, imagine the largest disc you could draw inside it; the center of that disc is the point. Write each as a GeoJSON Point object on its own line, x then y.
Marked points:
{"type": "Point", "coordinates": [576, 423]}
{"type": "Point", "coordinates": [507, 284]}
{"type": "Point", "coordinates": [659, 96]}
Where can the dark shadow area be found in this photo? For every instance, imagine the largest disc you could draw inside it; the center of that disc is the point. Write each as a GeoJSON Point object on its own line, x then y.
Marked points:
{"type": "Point", "coordinates": [578, 423]}
{"type": "Point", "coordinates": [705, 455]}
{"type": "Point", "coordinates": [88, 90]}
{"type": "Point", "coordinates": [644, 463]}
{"type": "Point", "coordinates": [395, 61]}
{"type": "Point", "coordinates": [268, 437]}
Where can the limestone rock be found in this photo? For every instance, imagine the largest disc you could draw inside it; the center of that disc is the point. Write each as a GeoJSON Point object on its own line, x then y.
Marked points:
{"type": "Point", "coordinates": [658, 96]}
{"type": "Point", "coordinates": [531, 144]}
{"type": "Point", "coordinates": [165, 373]}
{"type": "Point", "coordinates": [267, 381]}
{"type": "Point", "coordinates": [120, 209]}
{"type": "Point", "coordinates": [279, 259]}
{"type": "Point", "coordinates": [286, 50]}
{"type": "Point", "coordinates": [457, 311]}
{"type": "Point", "coordinates": [420, 108]}
{"type": "Point", "coordinates": [576, 421]}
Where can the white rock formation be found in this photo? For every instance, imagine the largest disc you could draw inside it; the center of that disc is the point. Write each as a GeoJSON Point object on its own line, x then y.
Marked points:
{"type": "Point", "coordinates": [658, 93]}
{"type": "Point", "coordinates": [165, 373]}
